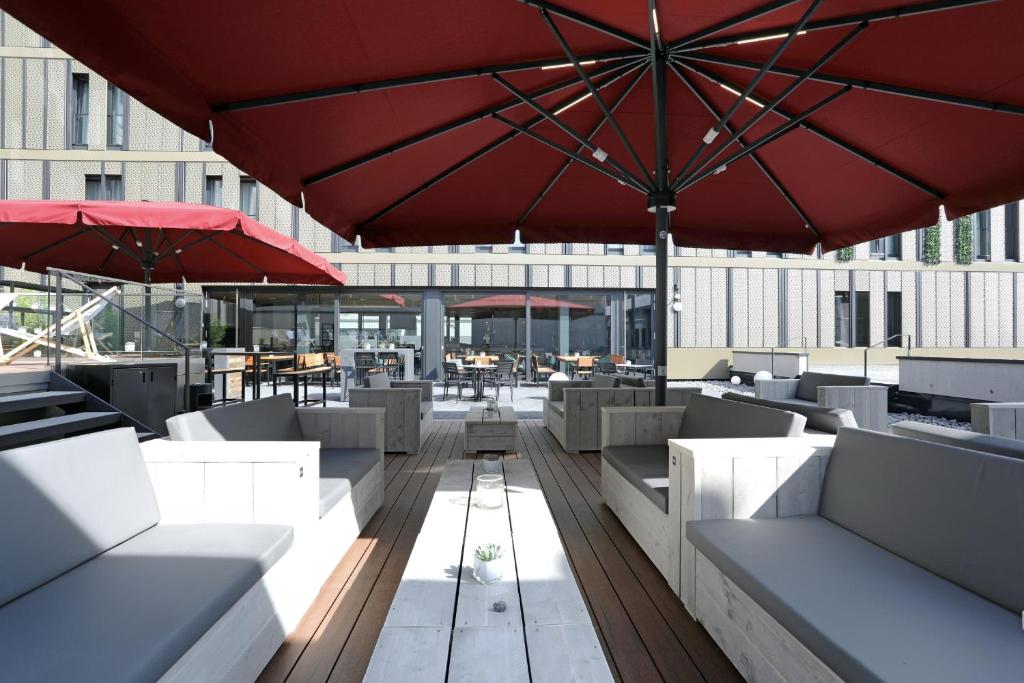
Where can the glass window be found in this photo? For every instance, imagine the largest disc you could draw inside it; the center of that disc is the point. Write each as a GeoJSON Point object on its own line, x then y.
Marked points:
{"type": "Point", "coordinates": [314, 332]}
{"type": "Point", "coordinates": [117, 107]}
{"type": "Point", "coordinates": [80, 110]}
{"type": "Point", "coordinates": [372, 319]}
{"type": "Point", "coordinates": [339, 243]}
{"type": "Point", "coordinates": [648, 249]}
{"type": "Point", "coordinates": [890, 247]}
{"type": "Point", "coordinates": [273, 321]}
{"type": "Point", "coordinates": [213, 192]}
{"type": "Point", "coordinates": [842, 319]}
{"type": "Point", "coordinates": [893, 318]}
{"type": "Point", "coordinates": [773, 254]}
{"type": "Point", "coordinates": [223, 307]}
{"type": "Point", "coordinates": [567, 324]}
{"type": "Point", "coordinates": [484, 248]}
{"type": "Point", "coordinates": [1012, 223]}
{"type": "Point", "coordinates": [615, 249]}
{"type": "Point", "coordinates": [247, 202]}
{"type": "Point", "coordinates": [862, 324]}
{"type": "Point", "coordinates": [483, 322]}
{"type": "Point", "coordinates": [104, 187]}
{"type": "Point", "coordinates": [741, 253]}
{"type": "Point", "coordinates": [639, 321]}
{"type": "Point", "coordinates": [983, 235]}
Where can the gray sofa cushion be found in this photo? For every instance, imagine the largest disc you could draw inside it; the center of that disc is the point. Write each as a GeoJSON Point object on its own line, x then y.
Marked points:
{"type": "Point", "coordinates": [1011, 448]}
{"type": "Point", "coordinates": [340, 470]}
{"type": "Point", "coordinates": [266, 419]}
{"type": "Point", "coordinates": [807, 387]}
{"type": "Point", "coordinates": [707, 417]}
{"type": "Point", "coordinates": [818, 417]}
{"type": "Point", "coordinates": [66, 501]}
{"type": "Point", "coordinates": [866, 613]}
{"type": "Point", "coordinates": [131, 613]}
{"type": "Point", "coordinates": [604, 381]}
{"type": "Point", "coordinates": [645, 467]}
{"type": "Point", "coordinates": [378, 380]}
{"type": "Point", "coordinates": [557, 407]}
{"type": "Point", "coordinates": [631, 381]}
{"type": "Point", "coordinates": [956, 512]}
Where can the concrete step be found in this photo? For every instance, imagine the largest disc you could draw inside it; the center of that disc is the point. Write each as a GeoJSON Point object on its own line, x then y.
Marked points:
{"type": "Point", "coordinates": [51, 428]}
{"type": "Point", "coordinates": [10, 403]}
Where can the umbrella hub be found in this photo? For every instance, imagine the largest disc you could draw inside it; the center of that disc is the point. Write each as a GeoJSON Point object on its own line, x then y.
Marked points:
{"type": "Point", "coordinates": [657, 200]}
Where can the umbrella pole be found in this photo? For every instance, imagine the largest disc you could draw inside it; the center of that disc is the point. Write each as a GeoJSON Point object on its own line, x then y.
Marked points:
{"type": "Point", "coordinates": [661, 202]}
{"type": "Point", "coordinates": [147, 306]}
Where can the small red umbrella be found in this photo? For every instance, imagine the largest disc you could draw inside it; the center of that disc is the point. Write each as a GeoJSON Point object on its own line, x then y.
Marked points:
{"type": "Point", "coordinates": [162, 241]}
{"type": "Point", "coordinates": [519, 301]}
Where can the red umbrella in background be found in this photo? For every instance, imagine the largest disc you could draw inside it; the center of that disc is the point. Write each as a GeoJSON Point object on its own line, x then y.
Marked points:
{"type": "Point", "coordinates": [160, 241]}
{"type": "Point", "coordinates": [513, 301]}
{"type": "Point", "coordinates": [773, 124]}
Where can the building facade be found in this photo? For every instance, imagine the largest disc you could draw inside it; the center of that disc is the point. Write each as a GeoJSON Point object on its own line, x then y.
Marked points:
{"type": "Point", "coordinates": [68, 134]}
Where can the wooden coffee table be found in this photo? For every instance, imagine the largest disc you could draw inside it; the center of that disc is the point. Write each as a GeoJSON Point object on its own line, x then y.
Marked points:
{"type": "Point", "coordinates": [491, 430]}
{"type": "Point", "coordinates": [442, 624]}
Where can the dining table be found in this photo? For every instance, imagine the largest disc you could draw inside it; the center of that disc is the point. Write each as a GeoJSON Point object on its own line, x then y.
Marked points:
{"type": "Point", "coordinates": [270, 357]}
{"type": "Point", "coordinates": [479, 372]}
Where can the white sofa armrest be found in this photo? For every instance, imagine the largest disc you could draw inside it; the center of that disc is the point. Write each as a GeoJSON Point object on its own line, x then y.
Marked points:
{"type": "Point", "coordinates": [344, 427]}
{"type": "Point", "coordinates": [265, 482]}
{"type": "Point", "coordinates": [640, 425]}
{"type": "Point", "coordinates": [741, 479]}
{"type": "Point", "coordinates": [775, 389]}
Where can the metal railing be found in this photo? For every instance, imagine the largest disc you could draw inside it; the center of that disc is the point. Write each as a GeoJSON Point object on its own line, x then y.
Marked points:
{"type": "Point", "coordinates": [785, 344]}
{"type": "Point", "coordinates": [60, 275]}
{"type": "Point", "coordinates": [885, 342]}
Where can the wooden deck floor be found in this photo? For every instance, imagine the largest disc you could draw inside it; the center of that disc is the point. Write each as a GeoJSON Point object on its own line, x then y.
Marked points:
{"type": "Point", "coordinates": [644, 629]}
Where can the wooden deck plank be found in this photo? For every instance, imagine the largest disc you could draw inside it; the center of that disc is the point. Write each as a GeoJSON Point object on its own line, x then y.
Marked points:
{"type": "Point", "coordinates": [692, 637]}
{"type": "Point", "coordinates": [645, 632]}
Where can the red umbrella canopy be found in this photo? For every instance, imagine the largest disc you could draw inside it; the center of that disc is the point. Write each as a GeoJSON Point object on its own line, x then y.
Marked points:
{"type": "Point", "coordinates": [173, 241]}
{"type": "Point", "coordinates": [519, 301]}
{"type": "Point", "coordinates": [786, 123]}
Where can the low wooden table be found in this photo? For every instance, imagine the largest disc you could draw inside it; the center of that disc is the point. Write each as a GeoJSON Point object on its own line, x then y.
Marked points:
{"type": "Point", "coordinates": [491, 430]}
{"type": "Point", "coordinates": [442, 625]}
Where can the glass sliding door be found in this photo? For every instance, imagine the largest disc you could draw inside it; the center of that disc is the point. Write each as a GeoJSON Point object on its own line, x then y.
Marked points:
{"type": "Point", "coordinates": [639, 317]}
{"type": "Point", "coordinates": [567, 324]}
{"type": "Point", "coordinates": [223, 307]}
{"type": "Point", "coordinates": [315, 326]}
{"type": "Point", "coordinates": [273, 321]}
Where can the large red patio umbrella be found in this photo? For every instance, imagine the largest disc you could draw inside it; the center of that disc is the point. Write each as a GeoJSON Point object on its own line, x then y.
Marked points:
{"type": "Point", "coordinates": [155, 242]}
{"type": "Point", "coordinates": [772, 124]}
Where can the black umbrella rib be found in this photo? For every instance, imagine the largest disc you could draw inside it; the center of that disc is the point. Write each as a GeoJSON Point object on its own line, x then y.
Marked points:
{"type": "Point", "coordinates": [824, 135]}
{"type": "Point", "coordinates": [568, 152]}
{"type": "Point", "coordinates": [783, 94]}
{"type": "Point", "coordinates": [729, 23]}
{"type": "Point", "coordinates": [449, 127]}
{"type": "Point", "coordinates": [110, 254]}
{"type": "Point", "coordinates": [772, 178]}
{"type": "Point", "coordinates": [589, 22]}
{"type": "Point", "coordinates": [175, 248]}
{"type": "Point", "coordinates": [53, 245]}
{"type": "Point", "coordinates": [568, 162]}
{"type": "Point", "coordinates": [421, 79]}
{"type": "Point", "coordinates": [835, 22]}
{"type": "Point", "coordinates": [764, 139]}
{"type": "Point", "coordinates": [567, 129]}
{"type": "Point", "coordinates": [241, 258]}
{"type": "Point", "coordinates": [870, 86]}
{"type": "Point", "coordinates": [597, 97]}
{"type": "Point", "coordinates": [459, 165]}
{"type": "Point", "coordinates": [114, 243]}
{"type": "Point", "coordinates": [710, 136]}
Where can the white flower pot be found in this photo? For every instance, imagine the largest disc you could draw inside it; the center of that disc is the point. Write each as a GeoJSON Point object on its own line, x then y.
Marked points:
{"type": "Point", "coordinates": [487, 572]}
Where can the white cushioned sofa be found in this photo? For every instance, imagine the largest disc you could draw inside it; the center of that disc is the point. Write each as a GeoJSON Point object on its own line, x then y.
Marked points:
{"type": "Point", "coordinates": [97, 585]}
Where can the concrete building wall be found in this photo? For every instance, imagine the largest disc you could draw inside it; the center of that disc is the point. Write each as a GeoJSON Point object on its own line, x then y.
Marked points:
{"type": "Point", "coordinates": [755, 301]}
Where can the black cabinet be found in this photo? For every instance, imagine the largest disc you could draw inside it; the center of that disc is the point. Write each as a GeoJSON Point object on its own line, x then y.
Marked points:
{"type": "Point", "coordinates": [145, 391]}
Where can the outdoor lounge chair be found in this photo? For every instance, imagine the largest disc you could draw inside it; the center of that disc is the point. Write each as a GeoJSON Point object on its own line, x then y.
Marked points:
{"type": "Point", "coordinates": [636, 482]}
{"type": "Point", "coordinates": [408, 409]}
{"type": "Point", "coordinates": [869, 404]}
{"type": "Point", "coordinates": [96, 585]}
{"type": "Point", "coordinates": [882, 558]}
{"type": "Point", "coordinates": [997, 445]}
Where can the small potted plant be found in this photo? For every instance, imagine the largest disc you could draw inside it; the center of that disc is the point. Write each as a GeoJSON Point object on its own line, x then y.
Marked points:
{"type": "Point", "coordinates": [487, 563]}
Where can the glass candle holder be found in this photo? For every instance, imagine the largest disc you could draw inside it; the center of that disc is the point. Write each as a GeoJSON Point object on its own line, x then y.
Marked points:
{"type": "Point", "coordinates": [491, 464]}
{"type": "Point", "coordinates": [490, 491]}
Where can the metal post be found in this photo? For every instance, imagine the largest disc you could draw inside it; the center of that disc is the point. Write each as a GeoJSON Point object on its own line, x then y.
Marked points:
{"type": "Point", "coordinates": [662, 201]}
{"type": "Point", "coordinates": [147, 309]}
{"type": "Point", "coordinates": [59, 295]}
